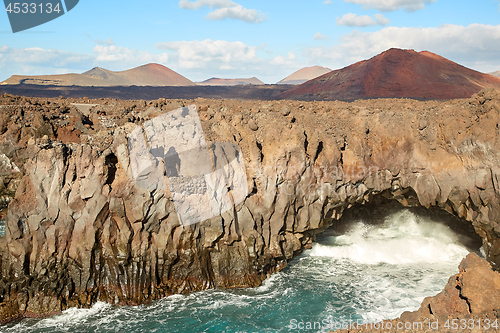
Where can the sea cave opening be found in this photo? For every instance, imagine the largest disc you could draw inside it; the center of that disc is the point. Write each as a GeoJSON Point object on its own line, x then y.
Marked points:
{"type": "Point", "coordinates": [382, 215]}
{"type": "Point", "coordinates": [382, 258]}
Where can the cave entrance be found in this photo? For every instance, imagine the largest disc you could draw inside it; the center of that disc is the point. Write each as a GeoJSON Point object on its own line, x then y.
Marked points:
{"type": "Point", "coordinates": [392, 221]}
{"type": "Point", "coordinates": [381, 259]}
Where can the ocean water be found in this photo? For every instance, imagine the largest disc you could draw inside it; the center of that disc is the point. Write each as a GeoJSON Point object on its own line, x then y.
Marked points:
{"type": "Point", "coordinates": [370, 273]}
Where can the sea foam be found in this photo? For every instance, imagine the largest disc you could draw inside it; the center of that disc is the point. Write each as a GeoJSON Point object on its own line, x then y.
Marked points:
{"type": "Point", "coordinates": [404, 238]}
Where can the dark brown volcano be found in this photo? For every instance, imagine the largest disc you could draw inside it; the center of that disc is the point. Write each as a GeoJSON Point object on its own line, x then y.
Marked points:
{"type": "Point", "coordinates": [397, 73]}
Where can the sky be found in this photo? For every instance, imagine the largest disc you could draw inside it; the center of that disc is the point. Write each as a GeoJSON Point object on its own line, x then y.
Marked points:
{"type": "Point", "coordinates": [269, 39]}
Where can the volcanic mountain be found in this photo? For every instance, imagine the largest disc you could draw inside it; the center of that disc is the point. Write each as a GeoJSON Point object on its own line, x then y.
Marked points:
{"type": "Point", "coordinates": [230, 82]}
{"type": "Point", "coordinates": [145, 75]}
{"type": "Point", "coordinates": [305, 74]}
{"type": "Point", "coordinates": [397, 73]}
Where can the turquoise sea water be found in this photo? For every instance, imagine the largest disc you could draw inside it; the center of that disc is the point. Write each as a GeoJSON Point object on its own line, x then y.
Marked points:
{"type": "Point", "coordinates": [368, 274]}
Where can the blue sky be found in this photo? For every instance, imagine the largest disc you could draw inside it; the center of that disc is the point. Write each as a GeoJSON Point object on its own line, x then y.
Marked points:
{"type": "Point", "coordinates": [267, 39]}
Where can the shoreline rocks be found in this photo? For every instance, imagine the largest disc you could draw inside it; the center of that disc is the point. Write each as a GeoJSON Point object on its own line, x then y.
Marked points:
{"type": "Point", "coordinates": [80, 230]}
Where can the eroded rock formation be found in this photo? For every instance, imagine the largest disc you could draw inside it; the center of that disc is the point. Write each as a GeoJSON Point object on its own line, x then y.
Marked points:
{"type": "Point", "coordinates": [80, 229]}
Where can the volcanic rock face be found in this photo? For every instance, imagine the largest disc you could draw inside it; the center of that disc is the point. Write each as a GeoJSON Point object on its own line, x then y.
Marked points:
{"type": "Point", "coordinates": [80, 229]}
{"type": "Point", "coordinates": [397, 73]}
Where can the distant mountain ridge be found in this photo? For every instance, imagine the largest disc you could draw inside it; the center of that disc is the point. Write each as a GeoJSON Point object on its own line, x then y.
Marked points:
{"type": "Point", "coordinates": [145, 75]}
{"type": "Point", "coordinates": [230, 82]}
{"type": "Point", "coordinates": [397, 73]}
{"type": "Point", "coordinates": [497, 73]}
{"type": "Point", "coordinates": [305, 74]}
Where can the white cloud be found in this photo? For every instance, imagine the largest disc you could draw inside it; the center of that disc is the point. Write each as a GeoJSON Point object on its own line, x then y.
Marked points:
{"type": "Point", "coordinates": [476, 46]}
{"type": "Point", "coordinates": [328, 2]}
{"type": "Point", "coordinates": [209, 53]}
{"type": "Point", "coordinates": [238, 13]}
{"type": "Point", "coordinates": [225, 9]}
{"type": "Point", "coordinates": [125, 57]}
{"type": "Point", "coordinates": [319, 36]}
{"type": "Point", "coordinates": [41, 57]}
{"type": "Point", "coordinates": [353, 20]}
{"type": "Point", "coordinates": [199, 60]}
{"type": "Point", "coordinates": [391, 5]}
{"type": "Point", "coordinates": [289, 61]}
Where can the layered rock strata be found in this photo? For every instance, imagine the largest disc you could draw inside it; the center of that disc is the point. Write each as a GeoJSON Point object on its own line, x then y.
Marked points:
{"type": "Point", "coordinates": [80, 229]}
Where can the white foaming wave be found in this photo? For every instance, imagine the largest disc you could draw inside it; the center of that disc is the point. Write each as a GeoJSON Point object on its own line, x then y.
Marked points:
{"type": "Point", "coordinates": [218, 299]}
{"type": "Point", "coordinates": [228, 300]}
{"type": "Point", "coordinates": [269, 283]}
{"type": "Point", "coordinates": [399, 251]}
{"type": "Point", "coordinates": [74, 315]}
{"type": "Point", "coordinates": [170, 303]}
{"type": "Point", "coordinates": [384, 295]}
{"type": "Point", "coordinates": [402, 239]}
{"type": "Point", "coordinates": [62, 322]}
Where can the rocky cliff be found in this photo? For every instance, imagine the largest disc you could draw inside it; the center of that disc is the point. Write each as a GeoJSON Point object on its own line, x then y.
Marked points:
{"type": "Point", "coordinates": [80, 229]}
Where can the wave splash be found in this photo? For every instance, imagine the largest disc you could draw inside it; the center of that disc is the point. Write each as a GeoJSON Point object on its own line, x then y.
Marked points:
{"type": "Point", "coordinates": [404, 238]}
{"type": "Point", "coordinates": [388, 268]}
